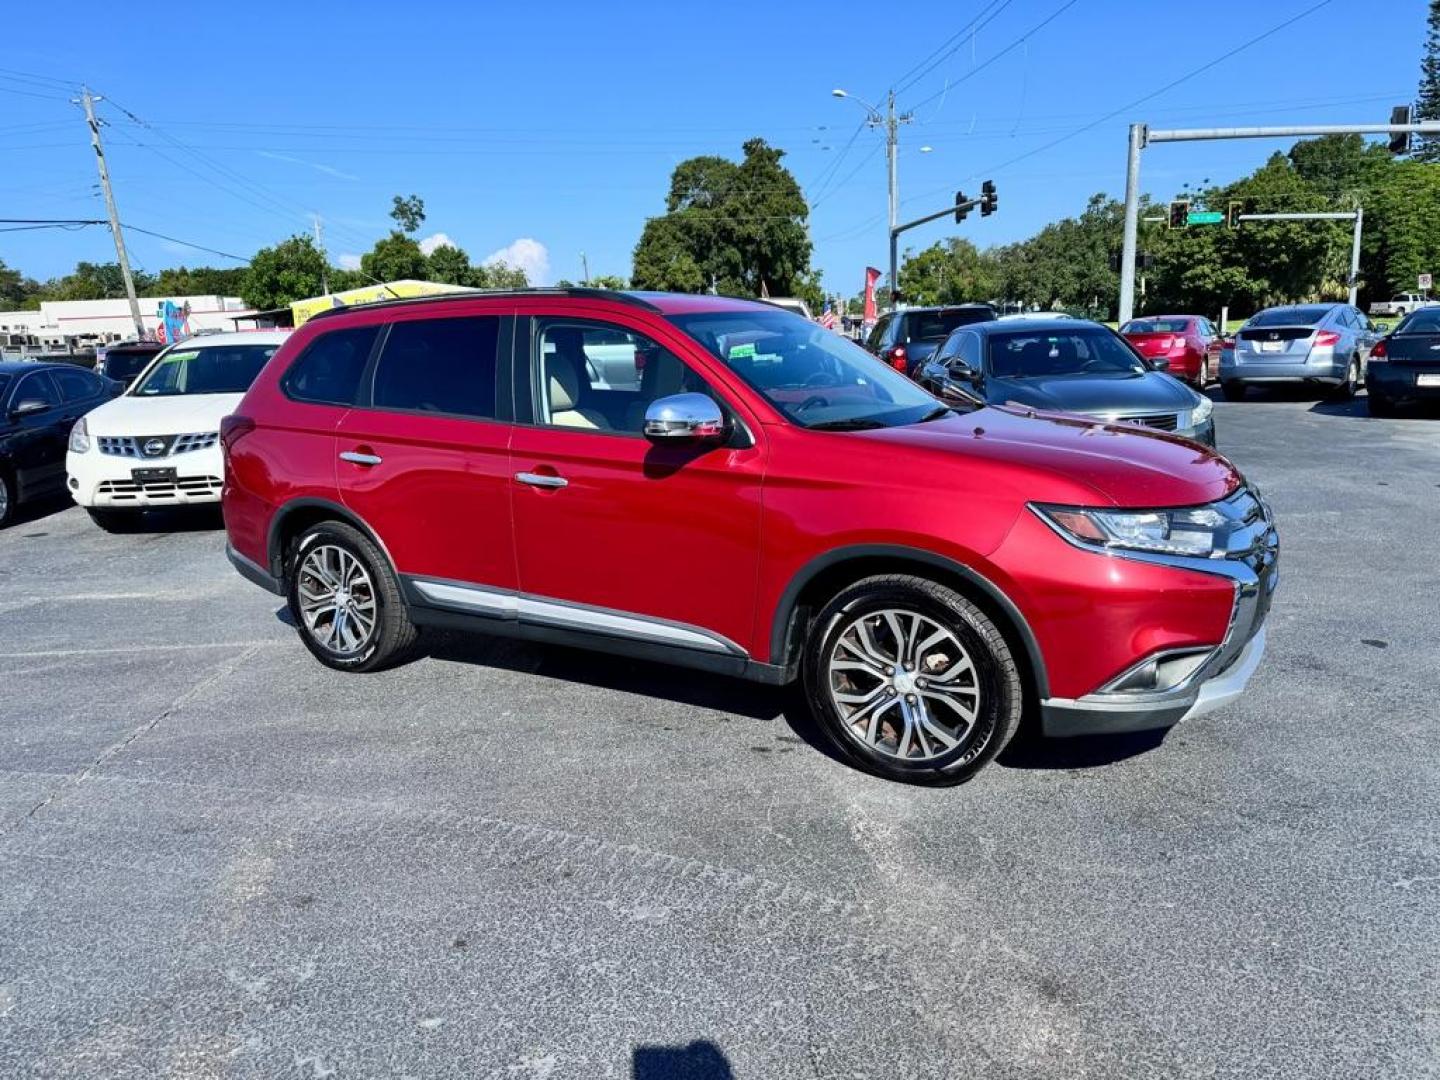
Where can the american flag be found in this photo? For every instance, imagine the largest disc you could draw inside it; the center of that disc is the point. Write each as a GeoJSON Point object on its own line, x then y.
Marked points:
{"type": "Point", "coordinates": [827, 317]}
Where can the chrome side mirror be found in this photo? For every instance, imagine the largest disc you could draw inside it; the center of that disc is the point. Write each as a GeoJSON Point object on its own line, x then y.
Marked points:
{"type": "Point", "coordinates": [29, 407]}
{"type": "Point", "coordinates": [684, 417]}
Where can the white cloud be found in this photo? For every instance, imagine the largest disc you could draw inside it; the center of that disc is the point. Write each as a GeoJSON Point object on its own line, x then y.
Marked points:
{"type": "Point", "coordinates": [527, 254]}
{"type": "Point", "coordinates": [349, 262]}
{"type": "Point", "coordinates": [430, 243]}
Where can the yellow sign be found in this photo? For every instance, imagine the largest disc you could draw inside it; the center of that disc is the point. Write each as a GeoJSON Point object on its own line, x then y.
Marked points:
{"type": "Point", "coordinates": [368, 294]}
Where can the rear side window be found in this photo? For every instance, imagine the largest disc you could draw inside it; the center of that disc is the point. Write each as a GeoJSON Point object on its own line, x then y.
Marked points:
{"type": "Point", "coordinates": [76, 385]}
{"type": "Point", "coordinates": [877, 334]}
{"type": "Point", "coordinates": [439, 366]}
{"type": "Point", "coordinates": [329, 370]}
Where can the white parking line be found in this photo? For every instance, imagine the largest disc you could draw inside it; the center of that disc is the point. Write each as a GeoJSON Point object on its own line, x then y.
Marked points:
{"type": "Point", "coordinates": [179, 647]}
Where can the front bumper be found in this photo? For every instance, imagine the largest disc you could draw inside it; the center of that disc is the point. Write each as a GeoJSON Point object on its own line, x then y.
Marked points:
{"type": "Point", "coordinates": [1219, 680]}
{"type": "Point", "coordinates": [107, 482]}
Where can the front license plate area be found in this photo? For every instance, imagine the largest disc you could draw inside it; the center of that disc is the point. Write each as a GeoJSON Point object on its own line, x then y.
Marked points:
{"type": "Point", "coordinates": [153, 476]}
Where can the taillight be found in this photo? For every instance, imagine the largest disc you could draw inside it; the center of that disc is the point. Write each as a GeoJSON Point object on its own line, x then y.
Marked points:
{"type": "Point", "coordinates": [231, 430]}
{"type": "Point", "coordinates": [1381, 350]}
{"type": "Point", "coordinates": [1326, 339]}
{"type": "Point", "coordinates": [897, 358]}
{"type": "Point", "coordinates": [1227, 342]}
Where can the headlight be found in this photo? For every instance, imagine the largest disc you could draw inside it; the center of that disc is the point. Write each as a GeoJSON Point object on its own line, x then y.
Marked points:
{"type": "Point", "coordinates": [1197, 531]}
{"type": "Point", "coordinates": [1201, 412]}
{"type": "Point", "coordinates": [79, 437]}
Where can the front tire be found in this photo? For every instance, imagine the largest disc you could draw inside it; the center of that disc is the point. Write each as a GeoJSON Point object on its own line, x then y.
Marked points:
{"type": "Point", "coordinates": [346, 601]}
{"type": "Point", "coordinates": [911, 681]}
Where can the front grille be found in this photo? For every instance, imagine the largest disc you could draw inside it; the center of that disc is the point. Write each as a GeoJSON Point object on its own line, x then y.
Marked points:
{"type": "Point", "coordinates": [1159, 421]}
{"type": "Point", "coordinates": [133, 446]}
{"type": "Point", "coordinates": [179, 489]}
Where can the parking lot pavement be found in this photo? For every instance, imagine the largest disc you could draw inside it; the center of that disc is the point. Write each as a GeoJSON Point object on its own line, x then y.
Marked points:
{"type": "Point", "coordinates": [506, 860]}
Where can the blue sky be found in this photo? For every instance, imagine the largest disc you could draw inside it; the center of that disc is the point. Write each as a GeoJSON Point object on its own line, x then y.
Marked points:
{"type": "Point", "coordinates": [559, 123]}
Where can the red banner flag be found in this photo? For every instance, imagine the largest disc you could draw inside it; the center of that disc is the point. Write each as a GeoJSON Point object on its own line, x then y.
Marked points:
{"type": "Point", "coordinates": [871, 277]}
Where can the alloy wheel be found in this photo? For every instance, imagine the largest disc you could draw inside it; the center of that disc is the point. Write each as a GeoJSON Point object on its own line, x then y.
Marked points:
{"type": "Point", "coordinates": [903, 685]}
{"type": "Point", "coordinates": [337, 599]}
{"type": "Point", "coordinates": [4, 500]}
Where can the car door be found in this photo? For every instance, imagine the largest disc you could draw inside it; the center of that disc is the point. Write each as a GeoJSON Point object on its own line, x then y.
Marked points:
{"type": "Point", "coordinates": [422, 458]}
{"type": "Point", "coordinates": [617, 535]}
{"type": "Point", "coordinates": [40, 437]}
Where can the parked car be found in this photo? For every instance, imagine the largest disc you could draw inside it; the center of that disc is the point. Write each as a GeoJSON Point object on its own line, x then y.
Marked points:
{"type": "Point", "coordinates": [1066, 365]}
{"type": "Point", "coordinates": [1190, 343]}
{"type": "Point", "coordinates": [158, 444]}
{"type": "Point", "coordinates": [789, 508]}
{"type": "Point", "coordinates": [125, 360]}
{"type": "Point", "coordinates": [1403, 304]}
{"type": "Point", "coordinates": [1324, 345]}
{"type": "Point", "coordinates": [38, 404]}
{"type": "Point", "coordinates": [1015, 315]}
{"type": "Point", "coordinates": [905, 339]}
{"type": "Point", "coordinates": [1405, 365]}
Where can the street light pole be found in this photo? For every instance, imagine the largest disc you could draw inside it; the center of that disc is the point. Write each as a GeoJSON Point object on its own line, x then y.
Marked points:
{"type": "Point", "coordinates": [891, 122]}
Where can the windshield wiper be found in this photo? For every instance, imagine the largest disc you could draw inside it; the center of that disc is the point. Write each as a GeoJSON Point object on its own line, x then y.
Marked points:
{"type": "Point", "coordinates": [857, 423]}
{"type": "Point", "coordinates": [935, 414]}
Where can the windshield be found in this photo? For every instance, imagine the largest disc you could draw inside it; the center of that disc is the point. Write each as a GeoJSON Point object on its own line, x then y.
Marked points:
{"type": "Point", "coordinates": [815, 378]}
{"type": "Point", "coordinates": [1156, 326]}
{"type": "Point", "coordinates": [1289, 316]}
{"type": "Point", "coordinates": [1061, 352]}
{"type": "Point", "coordinates": [216, 369]}
{"type": "Point", "coordinates": [937, 325]}
{"type": "Point", "coordinates": [1424, 321]}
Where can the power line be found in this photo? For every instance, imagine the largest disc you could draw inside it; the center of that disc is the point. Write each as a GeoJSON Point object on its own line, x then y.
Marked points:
{"type": "Point", "coordinates": [955, 42]}
{"type": "Point", "coordinates": [186, 243]}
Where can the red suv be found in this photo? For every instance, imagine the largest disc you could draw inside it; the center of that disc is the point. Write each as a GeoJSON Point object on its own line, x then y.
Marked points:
{"type": "Point", "coordinates": [722, 484]}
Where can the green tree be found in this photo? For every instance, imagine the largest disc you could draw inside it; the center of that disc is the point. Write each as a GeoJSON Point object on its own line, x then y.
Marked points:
{"type": "Point", "coordinates": [740, 226]}
{"type": "Point", "coordinates": [201, 281]}
{"type": "Point", "coordinates": [1406, 233]}
{"type": "Point", "coordinates": [952, 271]}
{"type": "Point", "coordinates": [1428, 99]}
{"type": "Point", "coordinates": [609, 281]}
{"type": "Point", "coordinates": [280, 275]}
{"type": "Point", "coordinates": [395, 258]}
{"type": "Point", "coordinates": [17, 292]}
{"type": "Point", "coordinates": [96, 281]}
{"type": "Point", "coordinates": [448, 264]}
{"type": "Point", "coordinates": [408, 212]}
{"type": "Point", "coordinates": [497, 275]}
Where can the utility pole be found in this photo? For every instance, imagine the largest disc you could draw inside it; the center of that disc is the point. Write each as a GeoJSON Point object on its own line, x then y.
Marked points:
{"type": "Point", "coordinates": [88, 100]}
{"type": "Point", "coordinates": [585, 268]}
{"type": "Point", "coordinates": [891, 122]}
{"type": "Point", "coordinates": [1355, 254]}
{"type": "Point", "coordinates": [325, 262]}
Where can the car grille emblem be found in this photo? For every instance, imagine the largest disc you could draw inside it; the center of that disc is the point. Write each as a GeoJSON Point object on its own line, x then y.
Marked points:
{"type": "Point", "coordinates": [155, 448]}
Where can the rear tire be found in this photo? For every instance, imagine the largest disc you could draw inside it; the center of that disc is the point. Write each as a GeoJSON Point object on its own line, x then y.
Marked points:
{"type": "Point", "coordinates": [8, 499]}
{"type": "Point", "coordinates": [1233, 391]}
{"type": "Point", "coordinates": [346, 601]}
{"type": "Point", "coordinates": [1202, 377]}
{"type": "Point", "coordinates": [910, 681]}
{"type": "Point", "coordinates": [1346, 390]}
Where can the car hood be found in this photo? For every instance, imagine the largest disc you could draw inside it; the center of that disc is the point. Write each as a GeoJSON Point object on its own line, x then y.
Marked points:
{"type": "Point", "coordinates": [176, 415]}
{"type": "Point", "coordinates": [1093, 394]}
{"type": "Point", "coordinates": [1069, 459]}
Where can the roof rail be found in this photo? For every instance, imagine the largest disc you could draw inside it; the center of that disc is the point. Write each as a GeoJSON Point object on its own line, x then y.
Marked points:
{"type": "Point", "coordinates": [581, 293]}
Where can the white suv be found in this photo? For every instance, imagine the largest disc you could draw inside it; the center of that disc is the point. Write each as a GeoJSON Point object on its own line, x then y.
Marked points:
{"type": "Point", "coordinates": [159, 443]}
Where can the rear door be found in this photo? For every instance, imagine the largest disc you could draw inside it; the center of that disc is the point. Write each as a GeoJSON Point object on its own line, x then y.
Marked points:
{"type": "Point", "coordinates": [423, 458]}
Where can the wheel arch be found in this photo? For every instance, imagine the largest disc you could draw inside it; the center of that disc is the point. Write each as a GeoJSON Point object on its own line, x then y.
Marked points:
{"type": "Point", "coordinates": [827, 574]}
{"type": "Point", "coordinates": [300, 514]}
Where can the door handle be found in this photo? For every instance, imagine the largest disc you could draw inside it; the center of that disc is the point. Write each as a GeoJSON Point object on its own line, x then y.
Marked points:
{"type": "Point", "coordinates": [541, 480]}
{"type": "Point", "coordinates": [357, 458]}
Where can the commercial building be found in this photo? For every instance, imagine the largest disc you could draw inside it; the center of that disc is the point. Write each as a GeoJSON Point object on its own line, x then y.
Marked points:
{"type": "Point", "coordinates": [79, 325]}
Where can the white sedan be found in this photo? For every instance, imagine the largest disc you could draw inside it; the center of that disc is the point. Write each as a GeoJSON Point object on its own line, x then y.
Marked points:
{"type": "Point", "coordinates": [159, 443]}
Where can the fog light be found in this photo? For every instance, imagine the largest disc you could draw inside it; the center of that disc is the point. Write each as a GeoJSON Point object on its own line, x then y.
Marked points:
{"type": "Point", "coordinates": [1159, 673]}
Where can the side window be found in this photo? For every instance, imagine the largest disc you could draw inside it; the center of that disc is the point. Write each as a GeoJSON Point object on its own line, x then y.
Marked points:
{"type": "Point", "coordinates": [877, 334]}
{"type": "Point", "coordinates": [76, 385]}
{"type": "Point", "coordinates": [329, 370]}
{"type": "Point", "coordinates": [968, 350]}
{"type": "Point", "coordinates": [439, 366]}
{"type": "Point", "coordinates": [573, 392]}
{"type": "Point", "coordinates": [948, 349]}
{"type": "Point", "coordinates": [36, 387]}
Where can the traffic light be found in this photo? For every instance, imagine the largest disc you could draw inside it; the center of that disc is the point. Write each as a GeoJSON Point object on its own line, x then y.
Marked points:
{"type": "Point", "coordinates": [960, 208]}
{"type": "Point", "coordinates": [1179, 213]}
{"type": "Point", "coordinates": [988, 200]}
{"type": "Point", "coordinates": [1233, 212]}
{"type": "Point", "coordinates": [1400, 141]}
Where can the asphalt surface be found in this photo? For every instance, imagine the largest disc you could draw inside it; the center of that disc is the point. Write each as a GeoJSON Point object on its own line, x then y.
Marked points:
{"type": "Point", "coordinates": [218, 858]}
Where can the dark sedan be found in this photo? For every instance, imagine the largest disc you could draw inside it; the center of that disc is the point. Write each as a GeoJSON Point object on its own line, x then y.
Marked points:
{"type": "Point", "coordinates": [1405, 366]}
{"type": "Point", "coordinates": [1067, 365]}
{"type": "Point", "coordinates": [38, 405]}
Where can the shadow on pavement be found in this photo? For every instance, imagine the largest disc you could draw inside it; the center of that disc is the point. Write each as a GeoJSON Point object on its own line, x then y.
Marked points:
{"type": "Point", "coordinates": [701, 1060]}
{"type": "Point", "coordinates": [177, 519]}
{"type": "Point", "coordinates": [28, 513]}
{"type": "Point", "coordinates": [1029, 750]}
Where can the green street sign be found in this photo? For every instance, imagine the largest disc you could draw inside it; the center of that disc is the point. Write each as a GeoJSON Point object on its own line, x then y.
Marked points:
{"type": "Point", "coordinates": [1204, 217]}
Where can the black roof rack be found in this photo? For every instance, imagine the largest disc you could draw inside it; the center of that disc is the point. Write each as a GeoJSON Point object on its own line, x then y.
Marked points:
{"type": "Point", "coordinates": [430, 298]}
